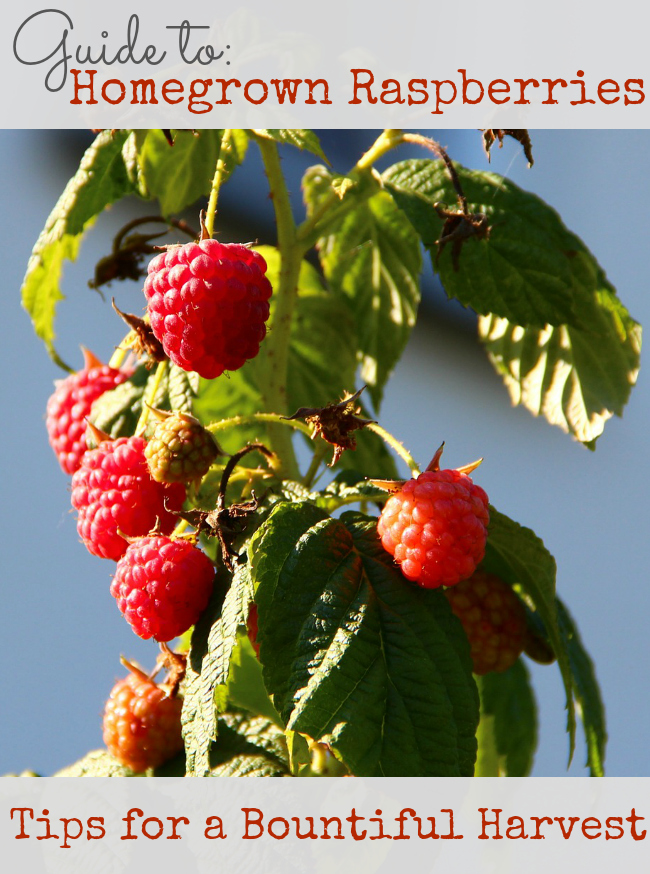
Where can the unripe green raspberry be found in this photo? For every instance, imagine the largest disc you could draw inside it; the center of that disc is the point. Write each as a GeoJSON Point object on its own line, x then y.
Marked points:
{"type": "Point", "coordinates": [181, 450]}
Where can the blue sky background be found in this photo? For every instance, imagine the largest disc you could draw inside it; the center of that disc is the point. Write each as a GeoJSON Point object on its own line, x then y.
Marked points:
{"type": "Point", "coordinates": [62, 632]}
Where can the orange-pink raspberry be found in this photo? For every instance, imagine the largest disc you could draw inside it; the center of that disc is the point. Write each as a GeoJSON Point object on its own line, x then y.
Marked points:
{"type": "Point", "coordinates": [436, 527]}
{"type": "Point", "coordinates": [162, 586]}
{"type": "Point", "coordinates": [208, 303]}
{"type": "Point", "coordinates": [494, 620]}
{"type": "Point", "coordinates": [114, 494]}
{"type": "Point", "coordinates": [142, 725]}
{"type": "Point", "coordinates": [71, 403]}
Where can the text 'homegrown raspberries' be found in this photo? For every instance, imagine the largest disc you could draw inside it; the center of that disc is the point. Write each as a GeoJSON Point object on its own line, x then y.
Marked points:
{"type": "Point", "coordinates": [114, 494]}
{"type": "Point", "coordinates": [142, 725]}
{"type": "Point", "coordinates": [435, 526]}
{"type": "Point", "coordinates": [71, 402]}
{"type": "Point", "coordinates": [494, 620]}
{"type": "Point", "coordinates": [162, 586]}
{"type": "Point", "coordinates": [208, 303]}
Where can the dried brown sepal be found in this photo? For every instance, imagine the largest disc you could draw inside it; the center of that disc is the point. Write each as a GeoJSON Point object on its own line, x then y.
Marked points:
{"type": "Point", "coordinates": [335, 423]}
{"type": "Point", "coordinates": [491, 135]}
{"type": "Point", "coordinates": [143, 341]}
{"type": "Point", "coordinates": [175, 663]}
{"type": "Point", "coordinates": [227, 523]}
{"type": "Point", "coordinates": [125, 262]}
{"type": "Point", "coordinates": [99, 436]}
{"type": "Point", "coordinates": [457, 229]}
{"type": "Point", "coordinates": [392, 486]}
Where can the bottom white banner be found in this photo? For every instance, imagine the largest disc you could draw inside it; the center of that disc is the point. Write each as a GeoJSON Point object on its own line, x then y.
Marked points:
{"type": "Point", "coordinates": [325, 825]}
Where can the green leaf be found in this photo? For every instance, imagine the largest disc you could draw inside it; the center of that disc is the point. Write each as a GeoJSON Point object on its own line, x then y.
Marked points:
{"type": "Point", "coordinates": [508, 699]}
{"type": "Point", "coordinates": [179, 175]}
{"type": "Point", "coordinates": [98, 763]}
{"type": "Point", "coordinates": [371, 256]}
{"type": "Point", "coordinates": [213, 642]}
{"type": "Point", "coordinates": [524, 272]}
{"type": "Point", "coordinates": [100, 180]}
{"type": "Point", "coordinates": [300, 138]}
{"type": "Point", "coordinates": [246, 689]}
{"type": "Point", "coordinates": [519, 557]}
{"type": "Point", "coordinates": [587, 692]}
{"type": "Point", "coordinates": [248, 747]}
{"type": "Point", "coordinates": [576, 379]}
{"type": "Point", "coordinates": [319, 372]}
{"type": "Point", "coordinates": [349, 487]}
{"type": "Point", "coordinates": [117, 411]}
{"type": "Point", "coordinates": [354, 656]}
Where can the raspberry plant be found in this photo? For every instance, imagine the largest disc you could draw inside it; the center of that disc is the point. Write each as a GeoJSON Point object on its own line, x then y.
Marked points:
{"type": "Point", "coordinates": [324, 641]}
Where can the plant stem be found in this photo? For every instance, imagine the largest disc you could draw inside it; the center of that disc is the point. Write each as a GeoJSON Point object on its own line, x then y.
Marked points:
{"type": "Point", "coordinates": [320, 451]}
{"type": "Point", "coordinates": [396, 446]}
{"type": "Point", "coordinates": [274, 379]}
{"type": "Point", "coordinates": [150, 400]}
{"type": "Point", "coordinates": [312, 227]}
{"type": "Point", "coordinates": [216, 182]}
{"type": "Point", "coordinates": [238, 421]}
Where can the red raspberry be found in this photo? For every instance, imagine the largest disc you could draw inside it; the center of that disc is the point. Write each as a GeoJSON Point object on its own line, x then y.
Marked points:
{"type": "Point", "coordinates": [162, 586]}
{"type": "Point", "coordinates": [436, 526]}
{"type": "Point", "coordinates": [72, 402]}
{"type": "Point", "coordinates": [114, 494]}
{"type": "Point", "coordinates": [208, 303]}
{"type": "Point", "coordinates": [142, 725]}
{"type": "Point", "coordinates": [494, 620]}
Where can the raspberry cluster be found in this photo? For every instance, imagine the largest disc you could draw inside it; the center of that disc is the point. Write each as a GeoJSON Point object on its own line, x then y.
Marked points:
{"type": "Point", "coordinates": [142, 724]}
{"type": "Point", "coordinates": [70, 405]}
{"type": "Point", "coordinates": [208, 303]}
{"type": "Point", "coordinates": [435, 527]}
{"type": "Point", "coordinates": [494, 620]}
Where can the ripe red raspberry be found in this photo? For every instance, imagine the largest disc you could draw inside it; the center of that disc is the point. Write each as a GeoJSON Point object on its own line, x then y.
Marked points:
{"type": "Point", "coordinates": [162, 586]}
{"type": "Point", "coordinates": [180, 450]}
{"type": "Point", "coordinates": [114, 494]}
{"type": "Point", "coordinates": [72, 402]}
{"type": "Point", "coordinates": [208, 303]}
{"type": "Point", "coordinates": [436, 526]}
{"type": "Point", "coordinates": [142, 725]}
{"type": "Point", "coordinates": [494, 620]}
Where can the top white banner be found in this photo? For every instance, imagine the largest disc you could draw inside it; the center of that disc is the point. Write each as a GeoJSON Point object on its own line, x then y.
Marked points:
{"type": "Point", "coordinates": [561, 64]}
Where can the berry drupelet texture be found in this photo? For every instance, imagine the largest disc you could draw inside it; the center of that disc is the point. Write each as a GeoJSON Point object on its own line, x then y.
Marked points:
{"type": "Point", "coordinates": [71, 403]}
{"type": "Point", "coordinates": [180, 450]}
{"type": "Point", "coordinates": [114, 495]}
{"type": "Point", "coordinates": [142, 725]}
{"type": "Point", "coordinates": [208, 303]}
{"type": "Point", "coordinates": [436, 527]}
{"type": "Point", "coordinates": [162, 586]}
{"type": "Point", "coordinates": [494, 620]}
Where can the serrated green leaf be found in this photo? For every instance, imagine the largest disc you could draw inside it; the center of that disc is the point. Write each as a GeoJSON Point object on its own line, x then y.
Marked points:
{"type": "Point", "coordinates": [248, 747]}
{"type": "Point", "coordinates": [302, 139]}
{"type": "Point", "coordinates": [117, 411]}
{"type": "Point", "coordinates": [98, 763]}
{"type": "Point", "coordinates": [356, 657]}
{"type": "Point", "coordinates": [507, 698]}
{"type": "Point", "coordinates": [518, 556]}
{"type": "Point", "coordinates": [179, 175]}
{"type": "Point", "coordinates": [348, 487]}
{"type": "Point", "coordinates": [371, 256]}
{"type": "Point", "coordinates": [100, 180]}
{"type": "Point", "coordinates": [182, 388]}
{"type": "Point", "coordinates": [319, 369]}
{"type": "Point", "coordinates": [576, 379]}
{"type": "Point", "coordinates": [587, 692]}
{"type": "Point", "coordinates": [213, 642]}
{"type": "Point", "coordinates": [524, 272]}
